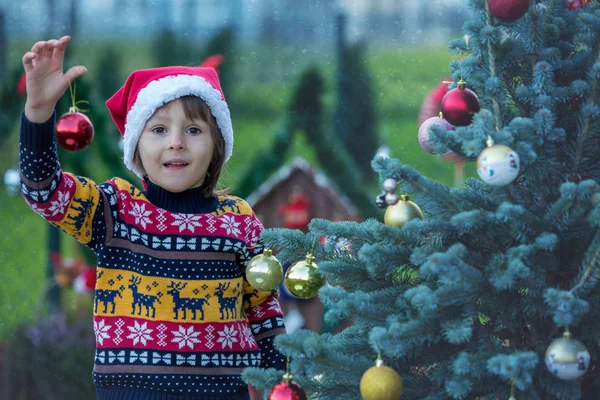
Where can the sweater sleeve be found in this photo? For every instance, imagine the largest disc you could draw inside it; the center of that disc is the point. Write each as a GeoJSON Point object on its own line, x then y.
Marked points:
{"type": "Point", "coordinates": [262, 307]}
{"type": "Point", "coordinates": [74, 204]}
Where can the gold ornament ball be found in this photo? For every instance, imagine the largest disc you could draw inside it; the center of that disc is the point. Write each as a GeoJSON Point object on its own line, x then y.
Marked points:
{"type": "Point", "coordinates": [567, 358]}
{"type": "Point", "coordinates": [264, 271]}
{"type": "Point", "coordinates": [381, 383]}
{"type": "Point", "coordinates": [402, 212]}
{"type": "Point", "coordinates": [303, 279]}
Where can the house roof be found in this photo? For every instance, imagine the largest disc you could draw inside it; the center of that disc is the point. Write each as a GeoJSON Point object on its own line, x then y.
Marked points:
{"type": "Point", "coordinates": [285, 172]}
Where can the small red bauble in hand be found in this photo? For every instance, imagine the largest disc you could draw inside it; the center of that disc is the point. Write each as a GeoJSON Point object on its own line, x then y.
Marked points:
{"type": "Point", "coordinates": [459, 105]}
{"type": "Point", "coordinates": [287, 391]}
{"type": "Point", "coordinates": [74, 130]}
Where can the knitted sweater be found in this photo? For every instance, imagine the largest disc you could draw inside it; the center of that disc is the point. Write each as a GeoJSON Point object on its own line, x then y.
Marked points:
{"type": "Point", "coordinates": [174, 316]}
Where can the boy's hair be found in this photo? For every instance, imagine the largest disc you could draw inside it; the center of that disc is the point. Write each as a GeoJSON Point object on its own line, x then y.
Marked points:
{"type": "Point", "coordinates": [195, 108]}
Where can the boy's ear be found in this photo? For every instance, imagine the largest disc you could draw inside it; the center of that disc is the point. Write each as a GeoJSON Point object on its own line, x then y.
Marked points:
{"type": "Point", "coordinates": [137, 160]}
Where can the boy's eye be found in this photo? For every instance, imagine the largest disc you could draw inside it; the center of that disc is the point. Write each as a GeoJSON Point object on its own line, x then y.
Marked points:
{"type": "Point", "coordinates": [194, 131]}
{"type": "Point", "coordinates": [159, 130]}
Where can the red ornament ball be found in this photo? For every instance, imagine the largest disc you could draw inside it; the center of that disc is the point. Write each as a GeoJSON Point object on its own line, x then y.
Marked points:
{"type": "Point", "coordinates": [459, 105]}
{"type": "Point", "coordinates": [573, 4]}
{"type": "Point", "coordinates": [287, 391]}
{"type": "Point", "coordinates": [508, 10]}
{"type": "Point", "coordinates": [74, 131]}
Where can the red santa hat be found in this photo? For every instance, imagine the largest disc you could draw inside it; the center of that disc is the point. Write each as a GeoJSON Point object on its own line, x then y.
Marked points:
{"type": "Point", "coordinates": [147, 90]}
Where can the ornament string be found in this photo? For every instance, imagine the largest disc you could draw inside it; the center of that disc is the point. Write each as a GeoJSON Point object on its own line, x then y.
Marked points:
{"type": "Point", "coordinates": [72, 91]}
{"type": "Point", "coordinates": [379, 361]}
{"type": "Point", "coordinates": [512, 391]}
{"type": "Point", "coordinates": [287, 377]}
{"type": "Point", "coordinates": [312, 250]}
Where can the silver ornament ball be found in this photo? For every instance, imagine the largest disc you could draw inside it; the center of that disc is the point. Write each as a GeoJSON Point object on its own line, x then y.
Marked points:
{"type": "Point", "coordinates": [391, 199]}
{"type": "Point", "coordinates": [389, 185]}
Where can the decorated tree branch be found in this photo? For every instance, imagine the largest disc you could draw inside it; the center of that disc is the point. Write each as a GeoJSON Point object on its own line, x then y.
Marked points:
{"type": "Point", "coordinates": [493, 293]}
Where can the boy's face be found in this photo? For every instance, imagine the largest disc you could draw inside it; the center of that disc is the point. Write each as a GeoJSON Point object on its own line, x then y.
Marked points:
{"type": "Point", "coordinates": [175, 152]}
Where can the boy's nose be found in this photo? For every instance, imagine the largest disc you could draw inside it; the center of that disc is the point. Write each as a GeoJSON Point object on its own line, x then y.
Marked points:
{"type": "Point", "coordinates": [177, 142]}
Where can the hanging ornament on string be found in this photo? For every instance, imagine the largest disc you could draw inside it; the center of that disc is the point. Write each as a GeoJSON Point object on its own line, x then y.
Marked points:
{"type": "Point", "coordinates": [423, 136]}
{"type": "Point", "coordinates": [498, 165]}
{"type": "Point", "coordinates": [567, 358]}
{"type": "Point", "coordinates": [287, 389]}
{"type": "Point", "coordinates": [389, 185]}
{"type": "Point", "coordinates": [303, 279]}
{"type": "Point", "coordinates": [460, 104]}
{"type": "Point", "coordinates": [508, 10]}
{"type": "Point", "coordinates": [574, 4]}
{"type": "Point", "coordinates": [381, 383]}
{"type": "Point", "coordinates": [389, 195]}
{"type": "Point", "coordinates": [264, 271]}
{"type": "Point", "coordinates": [403, 211]}
{"type": "Point", "coordinates": [74, 130]}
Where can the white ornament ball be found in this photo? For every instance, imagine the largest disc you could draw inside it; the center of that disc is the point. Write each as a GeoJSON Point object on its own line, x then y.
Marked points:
{"type": "Point", "coordinates": [498, 165]}
{"type": "Point", "coordinates": [567, 358]}
{"type": "Point", "coordinates": [389, 185]}
{"type": "Point", "coordinates": [391, 199]}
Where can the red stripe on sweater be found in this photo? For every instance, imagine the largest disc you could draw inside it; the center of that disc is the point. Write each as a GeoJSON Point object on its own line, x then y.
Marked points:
{"type": "Point", "coordinates": [126, 332]}
{"type": "Point", "coordinates": [55, 208]}
{"type": "Point", "coordinates": [154, 220]}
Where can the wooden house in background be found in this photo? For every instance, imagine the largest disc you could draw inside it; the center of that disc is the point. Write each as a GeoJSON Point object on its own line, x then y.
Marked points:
{"type": "Point", "coordinates": [295, 194]}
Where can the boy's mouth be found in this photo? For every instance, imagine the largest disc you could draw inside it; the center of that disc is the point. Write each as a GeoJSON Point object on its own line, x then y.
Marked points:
{"type": "Point", "coordinates": [175, 164]}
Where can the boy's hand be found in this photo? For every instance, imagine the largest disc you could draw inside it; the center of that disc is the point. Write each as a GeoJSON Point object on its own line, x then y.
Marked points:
{"type": "Point", "coordinates": [46, 82]}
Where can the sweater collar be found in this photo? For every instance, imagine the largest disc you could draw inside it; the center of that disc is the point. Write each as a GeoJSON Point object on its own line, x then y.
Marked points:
{"type": "Point", "coordinates": [191, 201]}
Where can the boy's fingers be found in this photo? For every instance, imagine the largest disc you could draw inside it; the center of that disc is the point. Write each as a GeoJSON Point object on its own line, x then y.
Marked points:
{"type": "Point", "coordinates": [38, 47]}
{"type": "Point", "coordinates": [59, 50]}
{"type": "Point", "coordinates": [75, 72]}
{"type": "Point", "coordinates": [28, 60]}
{"type": "Point", "coordinates": [47, 50]}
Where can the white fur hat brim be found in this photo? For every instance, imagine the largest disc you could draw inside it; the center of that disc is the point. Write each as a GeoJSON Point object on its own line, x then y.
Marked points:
{"type": "Point", "coordinates": [163, 90]}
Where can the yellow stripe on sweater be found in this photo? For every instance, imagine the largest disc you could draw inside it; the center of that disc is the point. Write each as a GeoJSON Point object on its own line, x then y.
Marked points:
{"type": "Point", "coordinates": [157, 298]}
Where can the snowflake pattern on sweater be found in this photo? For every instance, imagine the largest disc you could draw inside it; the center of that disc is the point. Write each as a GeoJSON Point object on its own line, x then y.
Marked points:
{"type": "Point", "coordinates": [173, 311]}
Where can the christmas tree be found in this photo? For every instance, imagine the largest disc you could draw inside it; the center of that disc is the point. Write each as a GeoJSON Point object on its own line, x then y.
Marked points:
{"type": "Point", "coordinates": [468, 302]}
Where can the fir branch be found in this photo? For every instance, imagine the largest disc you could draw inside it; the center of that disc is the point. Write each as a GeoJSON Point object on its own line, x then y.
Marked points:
{"type": "Point", "coordinates": [477, 193]}
{"type": "Point", "coordinates": [585, 129]}
{"type": "Point", "coordinates": [591, 262]}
